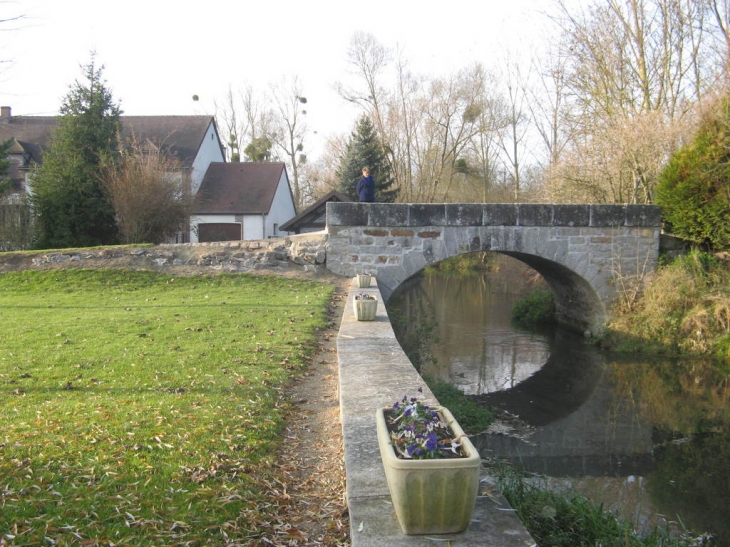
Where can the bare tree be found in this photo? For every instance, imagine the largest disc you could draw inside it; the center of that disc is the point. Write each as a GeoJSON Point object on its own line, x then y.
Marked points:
{"type": "Point", "coordinates": [149, 193]}
{"type": "Point", "coordinates": [369, 60]}
{"type": "Point", "coordinates": [516, 125]}
{"type": "Point", "coordinates": [633, 70]}
{"type": "Point", "coordinates": [291, 133]}
{"type": "Point", "coordinates": [248, 118]}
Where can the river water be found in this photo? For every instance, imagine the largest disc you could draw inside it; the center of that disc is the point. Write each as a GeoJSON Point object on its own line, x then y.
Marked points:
{"type": "Point", "coordinates": [648, 440]}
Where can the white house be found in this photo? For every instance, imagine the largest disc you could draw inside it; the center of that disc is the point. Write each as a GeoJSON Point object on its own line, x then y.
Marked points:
{"type": "Point", "coordinates": [233, 201]}
{"type": "Point", "coordinates": [193, 140]}
{"type": "Point", "coordinates": [242, 201]}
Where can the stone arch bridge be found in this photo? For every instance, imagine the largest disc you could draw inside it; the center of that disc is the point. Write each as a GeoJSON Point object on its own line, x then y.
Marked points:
{"type": "Point", "coordinates": [586, 253]}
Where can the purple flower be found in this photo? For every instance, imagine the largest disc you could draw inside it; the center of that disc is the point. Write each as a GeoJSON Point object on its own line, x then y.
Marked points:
{"type": "Point", "coordinates": [431, 442]}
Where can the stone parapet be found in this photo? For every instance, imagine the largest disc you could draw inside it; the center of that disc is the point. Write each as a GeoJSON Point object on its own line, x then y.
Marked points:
{"type": "Point", "coordinates": [491, 214]}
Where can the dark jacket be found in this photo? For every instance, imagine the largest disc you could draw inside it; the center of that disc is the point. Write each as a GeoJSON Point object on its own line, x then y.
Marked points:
{"type": "Point", "coordinates": [366, 189]}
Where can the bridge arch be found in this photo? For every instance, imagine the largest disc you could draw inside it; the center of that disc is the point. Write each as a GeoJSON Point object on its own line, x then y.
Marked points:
{"type": "Point", "coordinates": [580, 250]}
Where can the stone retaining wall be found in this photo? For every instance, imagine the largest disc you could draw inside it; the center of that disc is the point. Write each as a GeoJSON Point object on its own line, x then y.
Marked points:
{"type": "Point", "coordinates": [305, 253]}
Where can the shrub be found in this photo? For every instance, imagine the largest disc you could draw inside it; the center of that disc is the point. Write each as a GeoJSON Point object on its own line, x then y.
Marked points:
{"type": "Point", "coordinates": [536, 309]}
{"type": "Point", "coordinates": [694, 188]}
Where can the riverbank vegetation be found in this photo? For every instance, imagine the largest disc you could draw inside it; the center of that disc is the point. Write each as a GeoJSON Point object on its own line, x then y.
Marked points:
{"type": "Point", "coordinates": [472, 417]}
{"type": "Point", "coordinates": [484, 261]}
{"type": "Point", "coordinates": [573, 520]}
{"type": "Point", "coordinates": [535, 310]}
{"type": "Point", "coordinates": [684, 309]}
{"type": "Point", "coordinates": [146, 409]}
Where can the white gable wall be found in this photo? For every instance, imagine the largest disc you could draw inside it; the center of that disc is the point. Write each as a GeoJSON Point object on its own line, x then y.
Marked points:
{"type": "Point", "coordinates": [210, 150]}
{"type": "Point", "coordinates": [282, 208]}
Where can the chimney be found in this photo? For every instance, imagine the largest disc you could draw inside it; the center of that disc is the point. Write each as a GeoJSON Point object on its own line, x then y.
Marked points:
{"type": "Point", "coordinates": [5, 114]}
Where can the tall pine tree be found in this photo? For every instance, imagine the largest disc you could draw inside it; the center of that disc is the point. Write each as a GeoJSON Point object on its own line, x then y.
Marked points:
{"type": "Point", "coordinates": [365, 150]}
{"type": "Point", "coordinates": [71, 205]}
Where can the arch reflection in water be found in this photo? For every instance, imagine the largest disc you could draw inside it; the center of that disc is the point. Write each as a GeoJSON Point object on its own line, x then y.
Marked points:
{"type": "Point", "coordinates": [555, 383]}
{"type": "Point", "coordinates": [594, 425]}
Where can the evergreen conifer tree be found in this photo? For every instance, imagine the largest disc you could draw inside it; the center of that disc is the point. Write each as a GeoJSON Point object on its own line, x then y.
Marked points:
{"type": "Point", "coordinates": [694, 188]}
{"type": "Point", "coordinates": [5, 183]}
{"type": "Point", "coordinates": [71, 205]}
{"type": "Point", "coordinates": [364, 149]}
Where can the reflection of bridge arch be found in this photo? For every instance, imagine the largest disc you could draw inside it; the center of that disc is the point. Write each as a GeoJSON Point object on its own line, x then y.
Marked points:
{"type": "Point", "coordinates": [579, 249]}
{"type": "Point", "coordinates": [580, 430]}
{"type": "Point", "coordinates": [558, 389]}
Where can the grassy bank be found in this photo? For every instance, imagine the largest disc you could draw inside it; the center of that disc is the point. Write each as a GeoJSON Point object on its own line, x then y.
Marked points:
{"type": "Point", "coordinates": [683, 310]}
{"type": "Point", "coordinates": [573, 520]}
{"type": "Point", "coordinates": [141, 408]}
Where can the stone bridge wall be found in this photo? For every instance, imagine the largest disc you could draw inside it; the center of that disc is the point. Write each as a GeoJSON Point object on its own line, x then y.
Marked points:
{"type": "Point", "coordinates": [583, 251]}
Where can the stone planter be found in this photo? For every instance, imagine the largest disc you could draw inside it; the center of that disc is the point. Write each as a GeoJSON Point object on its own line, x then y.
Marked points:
{"type": "Point", "coordinates": [363, 280]}
{"type": "Point", "coordinates": [365, 309]}
{"type": "Point", "coordinates": [434, 496]}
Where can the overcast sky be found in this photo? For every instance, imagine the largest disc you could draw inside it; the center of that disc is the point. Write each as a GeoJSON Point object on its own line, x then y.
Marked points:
{"type": "Point", "coordinates": [159, 53]}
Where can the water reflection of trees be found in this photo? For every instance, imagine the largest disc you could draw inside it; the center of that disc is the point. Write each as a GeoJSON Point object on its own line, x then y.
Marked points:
{"type": "Point", "coordinates": [686, 402]}
{"type": "Point", "coordinates": [691, 479]}
{"type": "Point", "coordinates": [684, 395]}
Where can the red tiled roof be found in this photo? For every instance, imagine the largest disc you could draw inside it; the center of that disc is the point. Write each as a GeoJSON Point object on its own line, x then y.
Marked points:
{"type": "Point", "coordinates": [238, 188]}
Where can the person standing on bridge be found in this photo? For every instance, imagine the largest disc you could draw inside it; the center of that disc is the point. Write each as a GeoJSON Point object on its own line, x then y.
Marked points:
{"type": "Point", "coordinates": [366, 187]}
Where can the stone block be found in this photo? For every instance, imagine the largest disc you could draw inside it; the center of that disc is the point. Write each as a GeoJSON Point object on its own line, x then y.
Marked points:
{"type": "Point", "coordinates": [414, 262]}
{"type": "Point", "coordinates": [571, 215]}
{"type": "Point", "coordinates": [388, 214]}
{"type": "Point", "coordinates": [500, 214]}
{"type": "Point", "coordinates": [347, 214]}
{"type": "Point", "coordinates": [376, 232]}
{"type": "Point", "coordinates": [608, 215]}
{"type": "Point", "coordinates": [428, 253]}
{"type": "Point", "coordinates": [534, 214]}
{"type": "Point", "coordinates": [643, 215]}
{"type": "Point", "coordinates": [427, 214]}
{"type": "Point", "coordinates": [464, 214]}
{"type": "Point", "coordinates": [439, 251]}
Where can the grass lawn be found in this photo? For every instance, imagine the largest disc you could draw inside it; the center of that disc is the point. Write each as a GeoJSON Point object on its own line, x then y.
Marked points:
{"type": "Point", "coordinates": [140, 408]}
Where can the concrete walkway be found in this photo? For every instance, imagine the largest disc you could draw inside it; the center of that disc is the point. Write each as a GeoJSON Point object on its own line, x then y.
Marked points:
{"type": "Point", "coordinates": [375, 372]}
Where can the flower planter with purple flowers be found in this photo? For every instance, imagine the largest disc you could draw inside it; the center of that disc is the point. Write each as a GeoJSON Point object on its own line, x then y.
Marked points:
{"type": "Point", "coordinates": [431, 466]}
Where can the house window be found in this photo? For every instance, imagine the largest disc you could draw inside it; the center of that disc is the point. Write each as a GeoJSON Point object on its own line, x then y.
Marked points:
{"type": "Point", "coordinates": [276, 228]}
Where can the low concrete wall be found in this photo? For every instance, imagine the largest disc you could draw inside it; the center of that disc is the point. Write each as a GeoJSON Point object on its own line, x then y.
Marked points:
{"type": "Point", "coordinates": [374, 372]}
